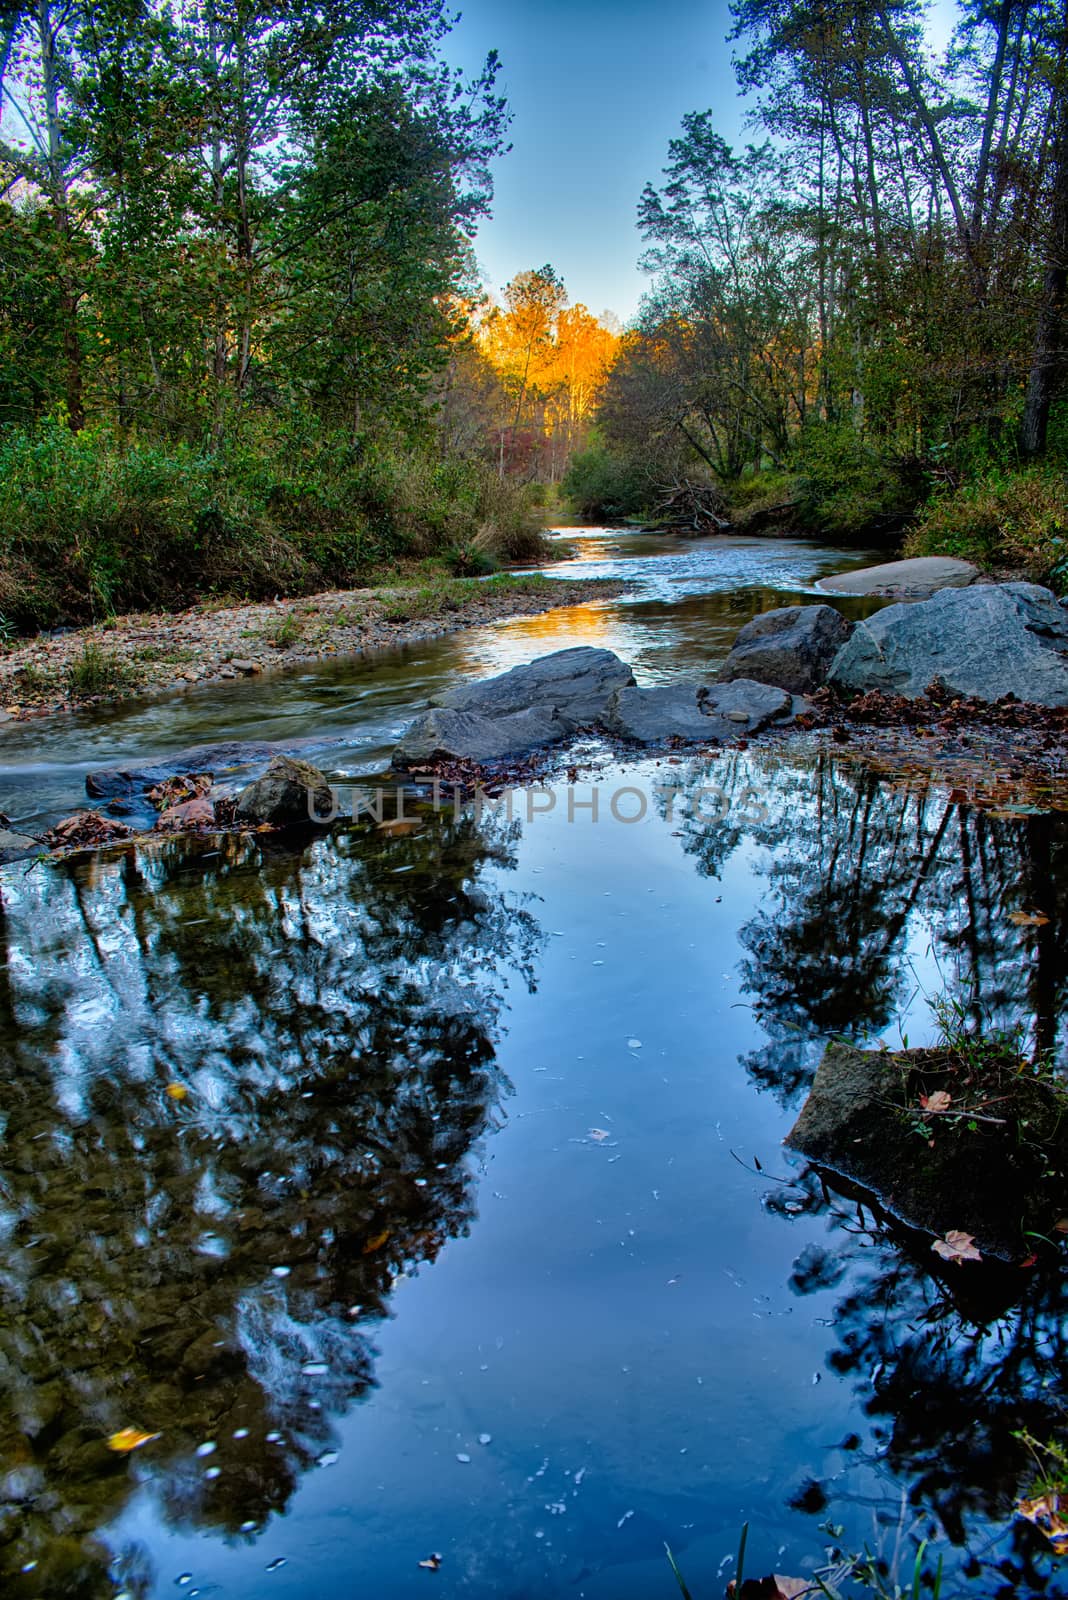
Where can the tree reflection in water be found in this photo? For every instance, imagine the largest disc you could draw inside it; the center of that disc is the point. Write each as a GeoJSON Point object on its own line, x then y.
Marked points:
{"type": "Point", "coordinates": [947, 1366]}
{"type": "Point", "coordinates": [208, 1267]}
{"type": "Point", "coordinates": [855, 865]}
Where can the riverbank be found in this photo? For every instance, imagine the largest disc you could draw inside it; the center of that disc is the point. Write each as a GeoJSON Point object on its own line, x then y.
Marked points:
{"type": "Point", "coordinates": [149, 653]}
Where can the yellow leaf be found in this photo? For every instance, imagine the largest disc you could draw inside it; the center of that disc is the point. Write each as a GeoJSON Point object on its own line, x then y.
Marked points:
{"type": "Point", "coordinates": [177, 1091]}
{"type": "Point", "coordinates": [1044, 1511]}
{"type": "Point", "coordinates": [1028, 919]}
{"type": "Point", "coordinates": [376, 1242]}
{"type": "Point", "coordinates": [128, 1439]}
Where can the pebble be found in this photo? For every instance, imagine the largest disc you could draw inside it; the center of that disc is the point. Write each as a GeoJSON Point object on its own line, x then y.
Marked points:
{"type": "Point", "coordinates": [210, 638]}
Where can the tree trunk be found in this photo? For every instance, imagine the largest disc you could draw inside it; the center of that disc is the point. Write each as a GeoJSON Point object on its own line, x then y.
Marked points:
{"type": "Point", "coordinates": [1047, 364]}
{"type": "Point", "coordinates": [69, 294]}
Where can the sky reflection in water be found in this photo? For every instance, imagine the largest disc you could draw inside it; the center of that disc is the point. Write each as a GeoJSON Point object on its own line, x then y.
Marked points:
{"type": "Point", "coordinates": [470, 1153]}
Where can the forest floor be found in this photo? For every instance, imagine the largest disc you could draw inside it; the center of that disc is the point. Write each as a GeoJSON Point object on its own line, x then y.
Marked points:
{"type": "Point", "coordinates": [152, 652]}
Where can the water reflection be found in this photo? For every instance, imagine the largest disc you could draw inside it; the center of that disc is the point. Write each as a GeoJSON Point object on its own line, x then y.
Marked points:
{"type": "Point", "coordinates": [859, 874]}
{"type": "Point", "coordinates": [853, 865]}
{"type": "Point", "coordinates": [948, 1369]}
{"type": "Point", "coordinates": [241, 1094]}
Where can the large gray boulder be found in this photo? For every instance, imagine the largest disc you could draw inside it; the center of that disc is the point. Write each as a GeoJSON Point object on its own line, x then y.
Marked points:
{"type": "Point", "coordinates": [983, 642]}
{"type": "Point", "coordinates": [695, 713]}
{"type": "Point", "coordinates": [860, 1121]}
{"type": "Point", "coordinates": [792, 647]}
{"type": "Point", "coordinates": [915, 579]}
{"type": "Point", "coordinates": [575, 684]}
{"type": "Point", "coordinates": [290, 791]}
{"type": "Point", "coordinates": [443, 734]}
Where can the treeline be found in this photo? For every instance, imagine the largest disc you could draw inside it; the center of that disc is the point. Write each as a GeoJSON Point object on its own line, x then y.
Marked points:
{"type": "Point", "coordinates": [235, 269]}
{"type": "Point", "coordinates": [858, 325]}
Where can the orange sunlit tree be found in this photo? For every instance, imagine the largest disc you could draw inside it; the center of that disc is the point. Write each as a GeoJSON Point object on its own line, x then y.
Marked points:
{"type": "Point", "coordinates": [551, 360]}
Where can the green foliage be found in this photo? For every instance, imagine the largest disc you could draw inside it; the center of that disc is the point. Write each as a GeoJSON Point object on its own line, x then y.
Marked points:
{"type": "Point", "coordinates": [91, 524]}
{"type": "Point", "coordinates": [95, 672]}
{"type": "Point", "coordinates": [1006, 517]}
{"type": "Point", "coordinates": [847, 488]}
{"type": "Point", "coordinates": [603, 484]}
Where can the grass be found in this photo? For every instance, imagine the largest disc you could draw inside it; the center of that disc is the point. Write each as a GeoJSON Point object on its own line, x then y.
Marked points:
{"type": "Point", "coordinates": [95, 672]}
{"type": "Point", "coordinates": [287, 633]}
{"type": "Point", "coordinates": [96, 524]}
{"type": "Point", "coordinates": [1002, 518]}
{"type": "Point", "coordinates": [864, 1574]}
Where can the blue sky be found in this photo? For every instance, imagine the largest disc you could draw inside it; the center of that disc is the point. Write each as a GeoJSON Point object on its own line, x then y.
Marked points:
{"type": "Point", "coordinates": [597, 87]}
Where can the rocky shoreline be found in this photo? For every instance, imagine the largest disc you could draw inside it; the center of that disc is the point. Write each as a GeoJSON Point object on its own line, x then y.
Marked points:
{"type": "Point", "coordinates": [154, 653]}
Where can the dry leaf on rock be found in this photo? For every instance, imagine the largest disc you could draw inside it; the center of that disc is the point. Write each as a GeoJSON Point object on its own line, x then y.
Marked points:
{"type": "Point", "coordinates": [956, 1246]}
{"type": "Point", "coordinates": [940, 1100]}
{"type": "Point", "coordinates": [1046, 1514]}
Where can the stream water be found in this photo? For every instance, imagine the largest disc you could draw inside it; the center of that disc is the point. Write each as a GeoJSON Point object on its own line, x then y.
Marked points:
{"type": "Point", "coordinates": [424, 1192]}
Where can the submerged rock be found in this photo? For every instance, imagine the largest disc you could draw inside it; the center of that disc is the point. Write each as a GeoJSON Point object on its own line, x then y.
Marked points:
{"type": "Point", "coordinates": [914, 579]}
{"type": "Point", "coordinates": [864, 1120]}
{"type": "Point", "coordinates": [119, 782]}
{"type": "Point", "coordinates": [290, 791]}
{"type": "Point", "coordinates": [792, 647]}
{"type": "Point", "coordinates": [697, 713]}
{"type": "Point", "coordinates": [442, 734]}
{"type": "Point", "coordinates": [574, 684]}
{"type": "Point", "coordinates": [16, 846]}
{"type": "Point", "coordinates": [980, 643]}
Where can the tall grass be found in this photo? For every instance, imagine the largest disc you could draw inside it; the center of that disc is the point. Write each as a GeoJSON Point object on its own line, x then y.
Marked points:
{"type": "Point", "coordinates": [92, 524]}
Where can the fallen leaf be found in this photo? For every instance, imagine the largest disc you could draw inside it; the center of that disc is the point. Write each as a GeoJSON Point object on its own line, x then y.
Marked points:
{"type": "Point", "coordinates": [177, 1091]}
{"type": "Point", "coordinates": [940, 1100]}
{"type": "Point", "coordinates": [128, 1439]}
{"type": "Point", "coordinates": [376, 1242]}
{"type": "Point", "coordinates": [956, 1246]}
{"type": "Point", "coordinates": [1028, 919]}
{"type": "Point", "coordinates": [1044, 1512]}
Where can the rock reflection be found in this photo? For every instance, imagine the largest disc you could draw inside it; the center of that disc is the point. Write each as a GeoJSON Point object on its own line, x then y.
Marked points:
{"type": "Point", "coordinates": [241, 1091]}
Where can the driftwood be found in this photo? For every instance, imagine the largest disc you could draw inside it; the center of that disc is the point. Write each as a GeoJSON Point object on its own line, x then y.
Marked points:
{"type": "Point", "coordinates": [698, 507]}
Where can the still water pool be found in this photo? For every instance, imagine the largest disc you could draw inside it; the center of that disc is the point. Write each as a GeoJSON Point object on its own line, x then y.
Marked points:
{"type": "Point", "coordinates": [424, 1192]}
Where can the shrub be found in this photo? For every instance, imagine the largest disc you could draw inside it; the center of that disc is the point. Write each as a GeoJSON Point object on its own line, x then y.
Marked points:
{"type": "Point", "coordinates": [91, 524]}
{"type": "Point", "coordinates": [1005, 518]}
{"type": "Point", "coordinates": [94, 671]}
{"type": "Point", "coordinates": [601, 485]}
{"type": "Point", "coordinates": [849, 489]}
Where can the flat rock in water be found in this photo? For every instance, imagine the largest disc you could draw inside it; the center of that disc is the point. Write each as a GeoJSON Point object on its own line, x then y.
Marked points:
{"type": "Point", "coordinates": [119, 782]}
{"type": "Point", "coordinates": [16, 846]}
{"type": "Point", "coordinates": [289, 792]}
{"type": "Point", "coordinates": [982, 642]}
{"type": "Point", "coordinates": [858, 1122]}
{"type": "Point", "coordinates": [443, 734]}
{"type": "Point", "coordinates": [914, 579]}
{"type": "Point", "coordinates": [696, 713]}
{"type": "Point", "coordinates": [792, 646]}
{"type": "Point", "coordinates": [575, 684]}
